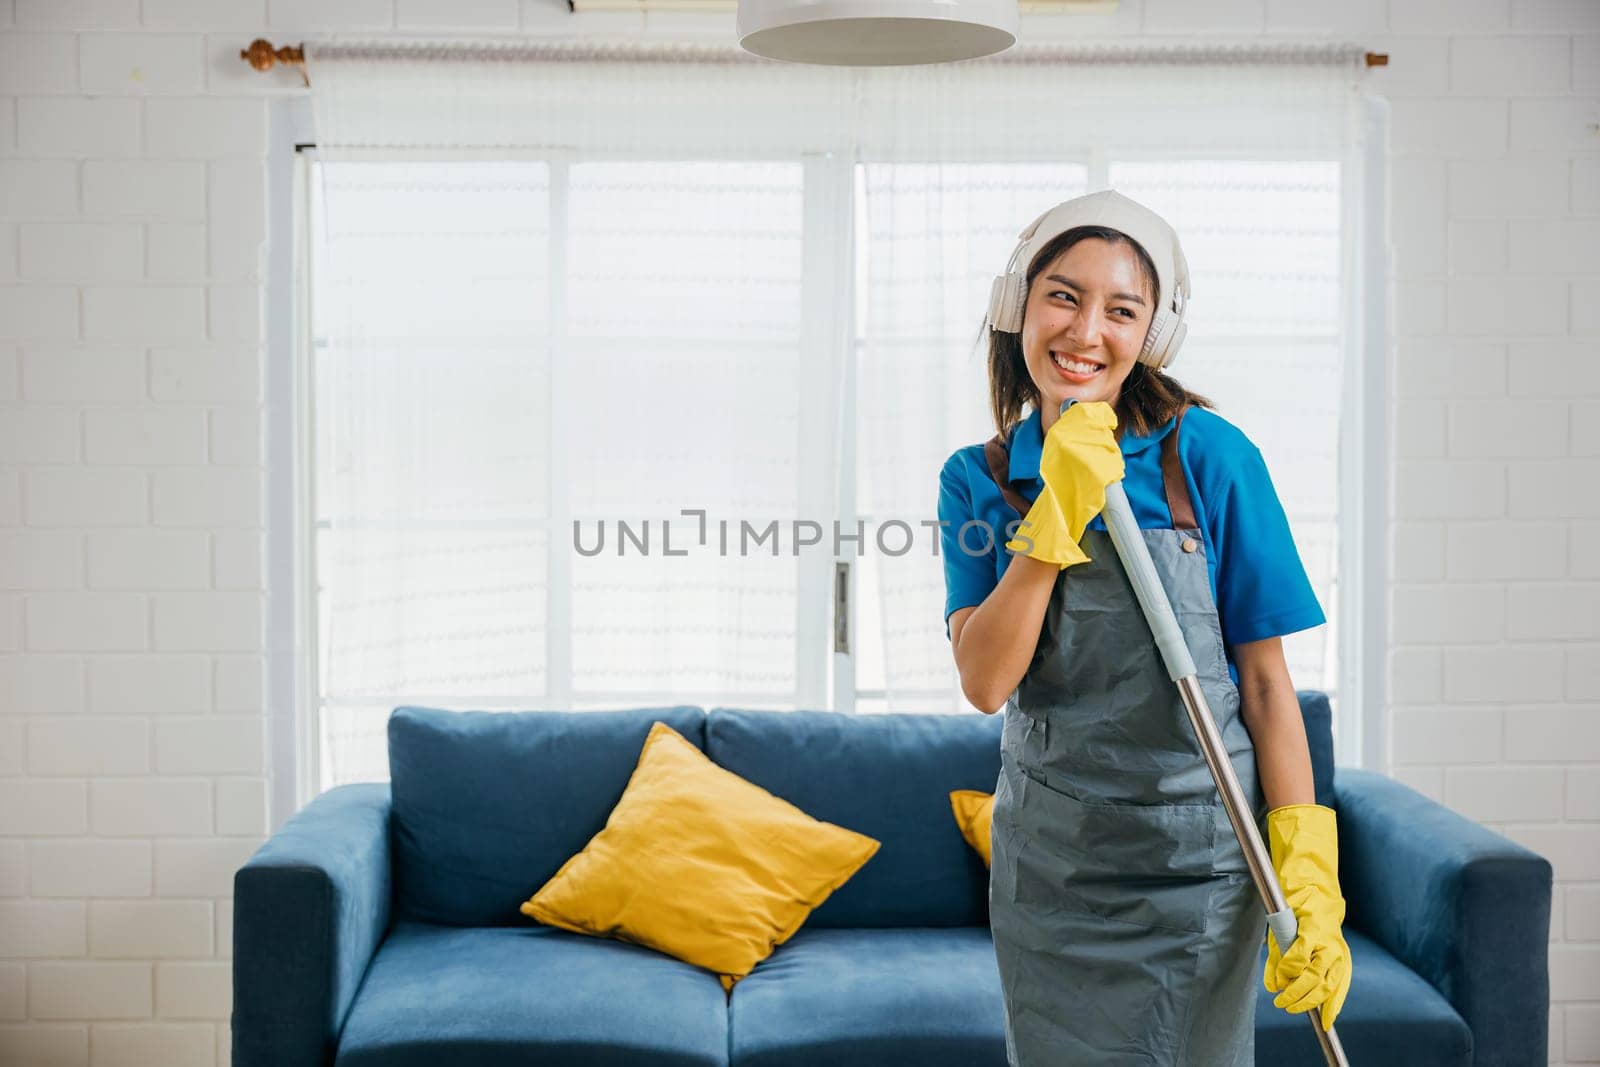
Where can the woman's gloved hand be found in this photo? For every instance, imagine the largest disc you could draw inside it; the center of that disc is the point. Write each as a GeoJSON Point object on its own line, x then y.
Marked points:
{"type": "Point", "coordinates": [1080, 458]}
{"type": "Point", "coordinates": [1315, 972]}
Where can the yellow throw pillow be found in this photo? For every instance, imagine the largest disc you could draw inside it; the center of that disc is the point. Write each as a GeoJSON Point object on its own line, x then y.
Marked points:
{"type": "Point", "coordinates": [699, 863]}
{"type": "Point", "coordinates": [974, 812]}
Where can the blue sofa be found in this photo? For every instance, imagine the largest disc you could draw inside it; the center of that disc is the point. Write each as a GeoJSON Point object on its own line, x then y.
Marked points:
{"type": "Point", "coordinates": [379, 926]}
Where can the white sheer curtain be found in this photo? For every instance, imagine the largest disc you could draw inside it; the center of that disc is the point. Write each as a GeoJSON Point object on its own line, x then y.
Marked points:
{"type": "Point", "coordinates": [569, 282]}
{"type": "Point", "coordinates": [1244, 157]}
{"type": "Point", "coordinates": [548, 293]}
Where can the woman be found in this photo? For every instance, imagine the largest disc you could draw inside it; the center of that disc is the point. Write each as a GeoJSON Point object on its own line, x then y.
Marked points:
{"type": "Point", "coordinates": [1125, 923]}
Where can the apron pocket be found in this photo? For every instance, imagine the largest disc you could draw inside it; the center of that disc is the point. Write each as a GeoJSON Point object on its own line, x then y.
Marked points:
{"type": "Point", "coordinates": [1144, 864]}
{"type": "Point", "coordinates": [1022, 739]}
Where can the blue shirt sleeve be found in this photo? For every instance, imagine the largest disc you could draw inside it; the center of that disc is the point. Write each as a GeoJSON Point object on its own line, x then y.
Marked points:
{"type": "Point", "coordinates": [1262, 587]}
{"type": "Point", "coordinates": [968, 578]}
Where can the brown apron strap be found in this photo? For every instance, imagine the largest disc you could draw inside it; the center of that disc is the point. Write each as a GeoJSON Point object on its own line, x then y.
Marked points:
{"type": "Point", "coordinates": [997, 452]}
{"type": "Point", "coordinates": [1172, 479]}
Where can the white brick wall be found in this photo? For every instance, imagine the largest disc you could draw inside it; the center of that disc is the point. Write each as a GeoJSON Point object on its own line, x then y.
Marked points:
{"type": "Point", "coordinates": [132, 228]}
{"type": "Point", "coordinates": [1498, 714]}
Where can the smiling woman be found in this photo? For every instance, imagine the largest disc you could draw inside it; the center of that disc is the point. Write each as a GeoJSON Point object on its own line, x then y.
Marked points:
{"type": "Point", "coordinates": [1111, 874]}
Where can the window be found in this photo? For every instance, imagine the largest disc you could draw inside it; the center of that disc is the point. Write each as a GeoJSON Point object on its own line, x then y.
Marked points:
{"type": "Point", "coordinates": [516, 358]}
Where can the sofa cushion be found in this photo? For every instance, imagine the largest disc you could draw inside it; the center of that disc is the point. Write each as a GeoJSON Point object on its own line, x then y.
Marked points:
{"type": "Point", "coordinates": [489, 805]}
{"type": "Point", "coordinates": [698, 863]}
{"type": "Point", "coordinates": [499, 996]}
{"type": "Point", "coordinates": [1392, 1018]}
{"type": "Point", "coordinates": [886, 776]}
{"type": "Point", "coordinates": [974, 812]}
{"type": "Point", "coordinates": [872, 998]}
{"type": "Point", "coordinates": [932, 996]}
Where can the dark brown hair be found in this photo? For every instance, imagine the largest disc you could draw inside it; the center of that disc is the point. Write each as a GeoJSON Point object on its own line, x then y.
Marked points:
{"type": "Point", "coordinates": [1148, 397]}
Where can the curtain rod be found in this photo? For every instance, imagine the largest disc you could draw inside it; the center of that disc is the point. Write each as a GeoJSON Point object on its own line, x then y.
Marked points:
{"type": "Point", "coordinates": [263, 56]}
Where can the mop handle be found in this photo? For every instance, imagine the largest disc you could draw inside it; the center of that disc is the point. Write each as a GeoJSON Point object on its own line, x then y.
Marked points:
{"type": "Point", "coordinates": [1152, 596]}
{"type": "Point", "coordinates": [1147, 586]}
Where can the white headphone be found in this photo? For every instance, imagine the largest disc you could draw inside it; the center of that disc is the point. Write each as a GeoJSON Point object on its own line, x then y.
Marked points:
{"type": "Point", "coordinates": [1110, 209]}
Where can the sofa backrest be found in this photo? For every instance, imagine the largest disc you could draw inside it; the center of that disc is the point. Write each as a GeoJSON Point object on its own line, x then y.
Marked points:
{"type": "Point", "coordinates": [1318, 717]}
{"type": "Point", "coordinates": [890, 776]}
{"type": "Point", "coordinates": [488, 805]}
{"type": "Point", "coordinates": [886, 776]}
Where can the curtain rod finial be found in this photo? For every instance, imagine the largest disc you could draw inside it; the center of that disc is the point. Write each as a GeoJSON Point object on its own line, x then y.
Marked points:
{"type": "Point", "coordinates": [262, 56]}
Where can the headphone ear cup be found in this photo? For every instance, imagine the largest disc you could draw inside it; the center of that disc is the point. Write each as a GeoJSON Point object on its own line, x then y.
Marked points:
{"type": "Point", "coordinates": [1167, 331]}
{"type": "Point", "coordinates": [1005, 303]}
{"type": "Point", "coordinates": [1155, 340]}
{"type": "Point", "coordinates": [1016, 296]}
{"type": "Point", "coordinates": [1176, 343]}
{"type": "Point", "coordinates": [996, 310]}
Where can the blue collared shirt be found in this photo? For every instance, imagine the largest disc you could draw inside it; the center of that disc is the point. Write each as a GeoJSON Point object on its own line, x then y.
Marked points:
{"type": "Point", "coordinates": [1257, 579]}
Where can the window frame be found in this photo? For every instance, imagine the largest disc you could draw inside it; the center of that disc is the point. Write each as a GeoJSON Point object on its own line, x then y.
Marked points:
{"type": "Point", "coordinates": [824, 676]}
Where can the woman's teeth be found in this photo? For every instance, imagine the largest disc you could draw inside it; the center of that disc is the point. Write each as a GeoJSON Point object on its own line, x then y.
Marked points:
{"type": "Point", "coordinates": [1075, 366]}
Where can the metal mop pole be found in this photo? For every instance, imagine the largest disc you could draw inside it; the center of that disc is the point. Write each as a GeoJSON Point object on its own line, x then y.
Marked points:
{"type": "Point", "coordinates": [1135, 555]}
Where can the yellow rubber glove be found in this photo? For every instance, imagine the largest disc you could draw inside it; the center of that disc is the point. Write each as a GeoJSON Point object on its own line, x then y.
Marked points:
{"type": "Point", "coordinates": [1315, 972]}
{"type": "Point", "coordinates": [1080, 458]}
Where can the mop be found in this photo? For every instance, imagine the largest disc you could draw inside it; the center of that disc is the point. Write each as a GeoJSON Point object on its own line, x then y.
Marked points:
{"type": "Point", "coordinates": [1135, 556]}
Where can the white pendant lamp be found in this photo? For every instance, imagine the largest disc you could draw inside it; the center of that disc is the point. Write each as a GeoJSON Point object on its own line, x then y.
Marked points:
{"type": "Point", "coordinates": [876, 32]}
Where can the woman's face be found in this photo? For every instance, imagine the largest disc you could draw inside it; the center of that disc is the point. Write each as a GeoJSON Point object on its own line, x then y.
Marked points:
{"type": "Point", "coordinates": [1084, 323]}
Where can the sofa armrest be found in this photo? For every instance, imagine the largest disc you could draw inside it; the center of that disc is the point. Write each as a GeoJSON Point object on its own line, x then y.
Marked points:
{"type": "Point", "coordinates": [1464, 907]}
{"type": "Point", "coordinates": [309, 910]}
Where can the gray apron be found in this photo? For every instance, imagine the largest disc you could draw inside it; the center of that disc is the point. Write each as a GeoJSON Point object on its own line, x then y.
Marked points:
{"type": "Point", "coordinates": [1126, 928]}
